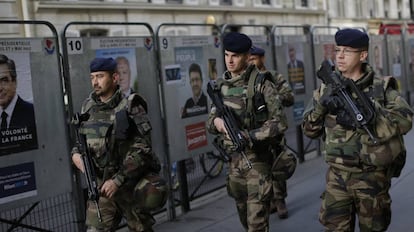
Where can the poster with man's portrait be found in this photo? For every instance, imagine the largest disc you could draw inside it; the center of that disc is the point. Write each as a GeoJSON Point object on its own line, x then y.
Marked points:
{"type": "Point", "coordinates": [18, 124]}
{"type": "Point", "coordinates": [296, 67]}
{"type": "Point", "coordinates": [126, 67]}
{"type": "Point", "coordinates": [411, 62]}
{"type": "Point", "coordinates": [377, 56]}
{"type": "Point", "coordinates": [195, 77]}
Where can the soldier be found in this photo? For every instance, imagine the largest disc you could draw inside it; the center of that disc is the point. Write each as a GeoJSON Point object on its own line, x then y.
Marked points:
{"type": "Point", "coordinates": [118, 134]}
{"type": "Point", "coordinates": [250, 186]}
{"type": "Point", "coordinates": [360, 166]}
{"type": "Point", "coordinates": [285, 94]}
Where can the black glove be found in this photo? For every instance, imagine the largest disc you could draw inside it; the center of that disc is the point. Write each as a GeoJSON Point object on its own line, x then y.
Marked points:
{"type": "Point", "coordinates": [330, 101]}
{"type": "Point", "coordinates": [324, 72]}
{"type": "Point", "coordinates": [344, 119]}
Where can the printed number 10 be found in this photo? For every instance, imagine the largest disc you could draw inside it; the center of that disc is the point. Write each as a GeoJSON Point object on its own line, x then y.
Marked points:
{"type": "Point", "coordinates": [75, 45]}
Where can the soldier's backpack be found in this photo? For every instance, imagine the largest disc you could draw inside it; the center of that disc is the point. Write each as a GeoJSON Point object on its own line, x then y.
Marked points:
{"type": "Point", "coordinates": [151, 191]}
{"type": "Point", "coordinates": [380, 86]}
{"type": "Point", "coordinates": [284, 164]}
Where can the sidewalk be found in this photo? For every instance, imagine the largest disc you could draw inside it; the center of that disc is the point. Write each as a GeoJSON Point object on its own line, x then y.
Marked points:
{"type": "Point", "coordinates": [216, 212]}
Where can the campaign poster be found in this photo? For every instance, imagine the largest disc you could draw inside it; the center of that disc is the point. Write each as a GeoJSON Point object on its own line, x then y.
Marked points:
{"type": "Point", "coordinates": [196, 135]}
{"type": "Point", "coordinates": [328, 54]}
{"type": "Point", "coordinates": [296, 67]}
{"type": "Point", "coordinates": [126, 67]}
{"type": "Point", "coordinates": [195, 75]}
{"type": "Point", "coordinates": [298, 109]}
{"type": "Point", "coordinates": [378, 60]}
{"type": "Point", "coordinates": [18, 124]}
{"type": "Point", "coordinates": [17, 182]}
{"type": "Point", "coordinates": [411, 63]}
{"type": "Point", "coordinates": [396, 59]}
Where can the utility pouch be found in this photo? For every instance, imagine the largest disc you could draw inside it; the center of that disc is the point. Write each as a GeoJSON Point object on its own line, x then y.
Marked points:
{"type": "Point", "coordinates": [121, 125]}
{"type": "Point", "coordinates": [259, 103]}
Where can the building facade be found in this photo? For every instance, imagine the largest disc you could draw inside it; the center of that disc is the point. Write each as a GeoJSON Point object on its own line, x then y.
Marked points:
{"type": "Point", "coordinates": [367, 14]}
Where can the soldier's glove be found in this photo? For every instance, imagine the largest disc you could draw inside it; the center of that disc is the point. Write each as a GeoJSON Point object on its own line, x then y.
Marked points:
{"type": "Point", "coordinates": [344, 119]}
{"type": "Point", "coordinates": [332, 102]}
{"type": "Point", "coordinates": [324, 72]}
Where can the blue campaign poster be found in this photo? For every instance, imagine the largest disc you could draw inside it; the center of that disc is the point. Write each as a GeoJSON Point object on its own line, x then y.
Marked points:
{"type": "Point", "coordinates": [17, 182]}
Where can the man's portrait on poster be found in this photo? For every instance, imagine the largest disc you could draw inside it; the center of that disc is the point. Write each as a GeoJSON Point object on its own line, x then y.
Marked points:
{"type": "Point", "coordinates": [18, 127]}
{"type": "Point", "coordinates": [197, 104]}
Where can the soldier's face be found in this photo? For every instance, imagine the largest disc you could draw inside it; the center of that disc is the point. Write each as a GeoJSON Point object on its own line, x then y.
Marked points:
{"type": "Point", "coordinates": [348, 59]}
{"type": "Point", "coordinates": [235, 62]}
{"type": "Point", "coordinates": [124, 76]}
{"type": "Point", "coordinates": [195, 82]}
{"type": "Point", "coordinates": [7, 86]}
{"type": "Point", "coordinates": [104, 84]}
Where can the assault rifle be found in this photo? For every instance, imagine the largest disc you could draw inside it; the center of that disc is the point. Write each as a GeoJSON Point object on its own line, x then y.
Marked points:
{"type": "Point", "coordinates": [90, 176]}
{"type": "Point", "coordinates": [344, 89]}
{"type": "Point", "coordinates": [230, 122]}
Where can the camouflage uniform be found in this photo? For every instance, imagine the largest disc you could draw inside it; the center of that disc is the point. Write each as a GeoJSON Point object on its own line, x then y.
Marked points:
{"type": "Point", "coordinates": [357, 181]}
{"type": "Point", "coordinates": [251, 188]}
{"type": "Point", "coordinates": [124, 155]}
{"type": "Point", "coordinates": [285, 95]}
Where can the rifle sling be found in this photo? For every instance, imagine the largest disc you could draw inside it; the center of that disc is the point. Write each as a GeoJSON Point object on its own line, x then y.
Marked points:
{"type": "Point", "coordinates": [250, 93]}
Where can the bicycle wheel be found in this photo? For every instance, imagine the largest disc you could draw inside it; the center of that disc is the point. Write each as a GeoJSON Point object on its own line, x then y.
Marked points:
{"type": "Point", "coordinates": [211, 164]}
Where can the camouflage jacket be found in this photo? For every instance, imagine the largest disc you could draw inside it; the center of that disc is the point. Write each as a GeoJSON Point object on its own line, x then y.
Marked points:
{"type": "Point", "coordinates": [118, 135]}
{"type": "Point", "coordinates": [285, 93]}
{"type": "Point", "coordinates": [351, 149]}
{"type": "Point", "coordinates": [234, 91]}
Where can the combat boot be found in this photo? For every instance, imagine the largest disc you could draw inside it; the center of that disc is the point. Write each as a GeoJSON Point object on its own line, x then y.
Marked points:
{"type": "Point", "coordinates": [282, 211]}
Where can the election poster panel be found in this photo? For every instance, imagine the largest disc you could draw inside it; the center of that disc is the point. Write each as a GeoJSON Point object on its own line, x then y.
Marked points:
{"type": "Point", "coordinates": [18, 124]}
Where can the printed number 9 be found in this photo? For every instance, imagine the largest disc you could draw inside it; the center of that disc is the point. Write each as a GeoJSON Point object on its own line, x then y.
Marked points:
{"type": "Point", "coordinates": [165, 43]}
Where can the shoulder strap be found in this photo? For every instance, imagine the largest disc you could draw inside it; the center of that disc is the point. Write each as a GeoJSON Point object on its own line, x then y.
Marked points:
{"type": "Point", "coordinates": [251, 89]}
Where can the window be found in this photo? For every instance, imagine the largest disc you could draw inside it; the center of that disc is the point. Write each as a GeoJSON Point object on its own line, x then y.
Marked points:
{"type": "Point", "coordinates": [304, 3]}
{"type": "Point", "coordinates": [308, 4]}
{"type": "Point", "coordinates": [174, 1]}
{"type": "Point", "coordinates": [90, 32]}
{"type": "Point", "coordinates": [225, 2]}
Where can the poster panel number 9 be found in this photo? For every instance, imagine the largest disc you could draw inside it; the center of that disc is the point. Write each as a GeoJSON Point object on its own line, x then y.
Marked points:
{"type": "Point", "coordinates": [164, 43]}
{"type": "Point", "coordinates": [74, 46]}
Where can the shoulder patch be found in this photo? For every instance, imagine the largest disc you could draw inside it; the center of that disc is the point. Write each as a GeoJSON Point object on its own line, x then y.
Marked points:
{"type": "Point", "coordinates": [134, 101]}
{"type": "Point", "coordinates": [390, 82]}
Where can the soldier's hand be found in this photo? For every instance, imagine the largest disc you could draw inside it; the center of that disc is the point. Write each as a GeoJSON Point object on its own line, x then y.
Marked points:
{"type": "Point", "coordinates": [77, 160]}
{"type": "Point", "coordinates": [219, 124]}
{"type": "Point", "coordinates": [109, 188]}
{"type": "Point", "coordinates": [330, 101]}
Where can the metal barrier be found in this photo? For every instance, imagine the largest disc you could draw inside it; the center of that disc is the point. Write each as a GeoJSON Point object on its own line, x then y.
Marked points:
{"type": "Point", "coordinates": [187, 55]}
{"type": "Point", "coordinates": [31, 149]}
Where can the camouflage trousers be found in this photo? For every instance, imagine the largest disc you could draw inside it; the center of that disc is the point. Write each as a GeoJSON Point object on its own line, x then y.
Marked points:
{"type": "Point", "coordinates": [252, 190]}
{"type": "Point", "coordinates": [348, 195]}
{"type": "Point", "coordinates": [112, 211]}
{"type": "Point", "coordinates": [279, 189]}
